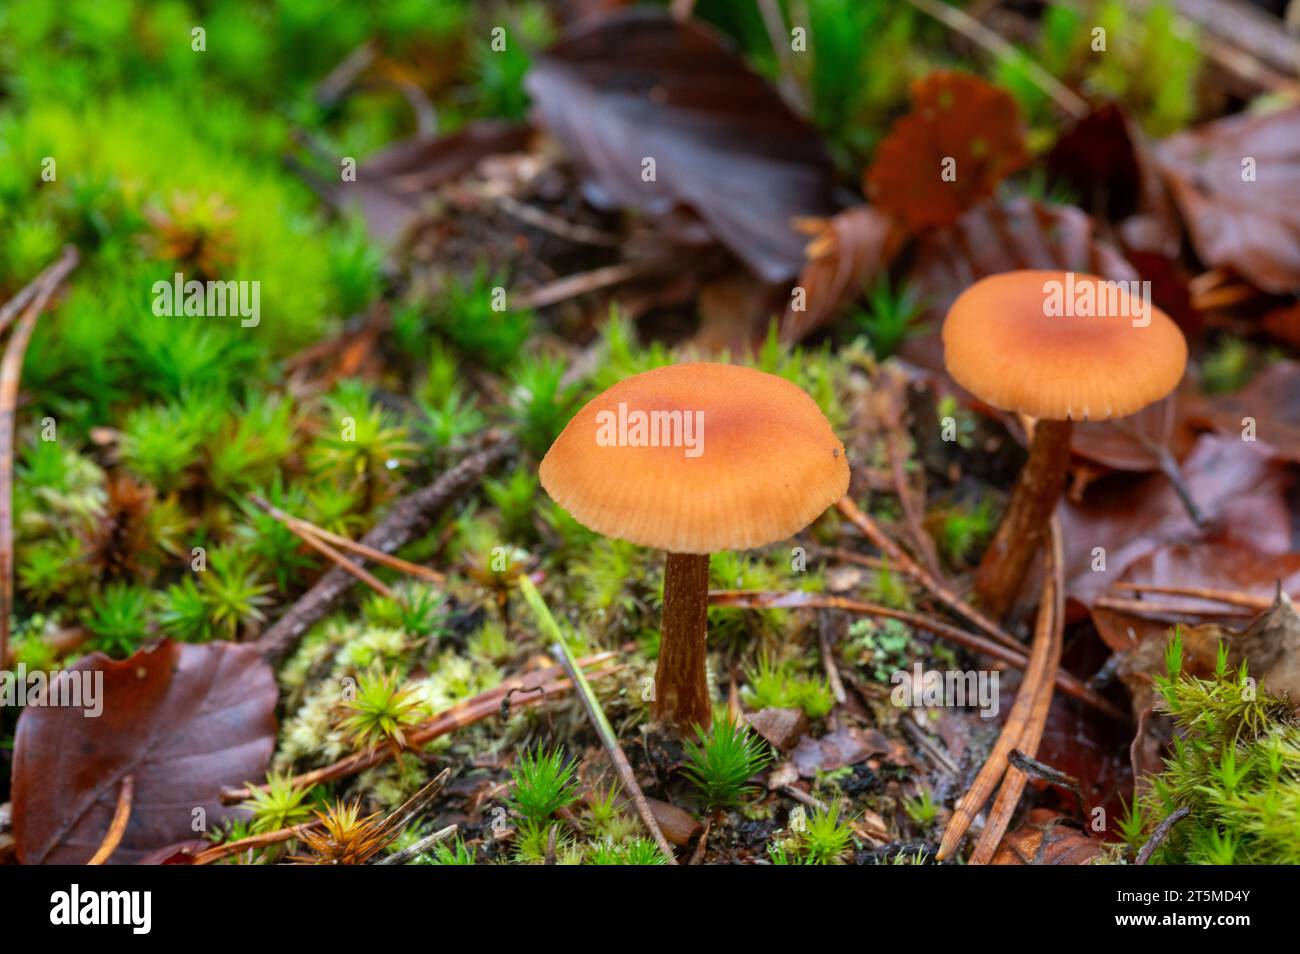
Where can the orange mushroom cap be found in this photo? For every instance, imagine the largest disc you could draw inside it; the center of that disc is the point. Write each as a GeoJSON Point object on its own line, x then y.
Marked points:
{"type": "Point", "coordinates": [1030, 342]}
{"type": "Point", "coordinates": [744, 458]}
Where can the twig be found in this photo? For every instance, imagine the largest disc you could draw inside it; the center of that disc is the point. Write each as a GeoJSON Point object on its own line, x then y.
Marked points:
{"type": "Point", "coordinates": [571, 286]}
{"type": "Point", "coordinates": [117, 827]}
{"type": "Point", "coordinates": [913, 510]}
{"type": "Point", "coordinates": [1047, 773]}
{"type": "Point", "coordinates": [569, 231]}
{"type": "Point", "coordinates": [978, 33]}
{"type": "Point", "coordinates": [419, 848]}
{"type": "Point", "coordinates": [760, 599]}
{"type": "Point", "coordinates": [1168, 465]}
{"type": "Point", "coordinates": [42, 289]}
{"type": "Point", "coordinates": [408, 519]}
{"type": "Point", "coordinates": [1161, 833]}
{"type": "Point", "coordinates": [345, 543]}
{"type": "Point", "coordinates": [547, 682]}
{"type": "Point", "coordinates": [597, 715]}
{"type": "Point", "coordinates": [1156, 608]}
{"type": "Point", "coordinates": [909, 566]}
{"type": "Point", "coordinates": [995, 766]}
{"type": "Point", "coordinates": [252, 842]}
{"type": "Point", "coordinates": [1231, 597]}
{"type": "Point", "coordinates": [828, 659]}
{"type": "Point", "coordinates": [340, 561]}
{"type": "Point", "coordinates": [1013, 782]}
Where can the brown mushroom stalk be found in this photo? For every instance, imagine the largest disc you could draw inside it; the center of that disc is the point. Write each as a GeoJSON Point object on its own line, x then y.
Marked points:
{"type": "Point", "coordinates": [681, 685]}
{"type": "Point", "coordinates": [1054, 347]}
{"type": "Point", "coordinates": [1007, 560]}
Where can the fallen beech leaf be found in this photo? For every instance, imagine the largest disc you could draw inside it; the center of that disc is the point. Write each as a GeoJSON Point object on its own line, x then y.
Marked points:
{"type": "Point", "coordinates": [782, 727]}
{"type": "Point", "coordinates": [1004, 236]}
{"type": "Point", "coordinates": [844, 746]}
{"type": "Point", "coordinates": [1130, 443]}
{"type": "Point", "coordinates": [186, 720]}
{"type": "Point", "coordinates": [1235, 181]}
{"type": "Point", "coordinates": [1046, 838]}
{"type": "Point", "coordinates": [845, 254]}
{"type": "Point", "coordinates": [1211, 565]}
{"type": "Point", "coordinates": [388, 184]}
{"type": "Point", "coordinates": [957, 117]}
{"type": "Point", "coordinates": [1269, 645]}
{"type": "Point", "coordinates": [1098, 158]}
{"type": "Point", "coordinates": [637, 85]}
{"type": "Point", "coordinates": [1241, 493]}
{"type": "Point", "coordinates": [1270, 403]}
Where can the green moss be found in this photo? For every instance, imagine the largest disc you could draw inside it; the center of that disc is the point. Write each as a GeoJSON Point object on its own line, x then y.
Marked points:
{"type": "Point", "coordinates": [1235, 767]}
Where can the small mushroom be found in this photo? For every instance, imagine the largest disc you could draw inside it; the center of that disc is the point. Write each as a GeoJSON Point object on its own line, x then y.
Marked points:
{"type": "Point", "coordinates": [693, 459]}
{"type": "Point", "coordinates": [1056, 347]}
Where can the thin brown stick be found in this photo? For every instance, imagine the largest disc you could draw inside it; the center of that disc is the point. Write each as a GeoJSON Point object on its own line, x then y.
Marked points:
{"type": "Point", "coordinates": [11, 366]}
{"type": "Point", "coordinates": [408, 519]}
{"type": "Point", "coordinates": [342, 562]}
{"type": "Point", "coordinates": [229, 848]}
{"type": "Point", "coordinates": [1231, 597]}
{"type": "Point", "coordinates": [571, 286]}
{"type": "Point", "coordinates": [828, 659]}
{"type": "Point", "coordinates": [569, 231]}
{"type": "Point", "coordinates": [907, 565]}
{"type": "Point", "coordinates": [1156, 608]}
{"type": "Point", "coordinates": [1013, 783]}
{"type": "Point", "coordinates": [346, 543]}
{"type": "Point", "coordinates": [913, 509]}
{"type": "Point", "coordinates": [117, 827]}
{"type": "Point", "coordinates": [1161, 833]}
{"type": "Point", "coordinates": [525, 690]}
{"type": "Point", "coordinates": [760, 599]}
{"type": "Point", "coordinates": [995, 766]}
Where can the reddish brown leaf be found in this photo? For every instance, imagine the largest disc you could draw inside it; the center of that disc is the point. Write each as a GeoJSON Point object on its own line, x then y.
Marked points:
{"type": "Point", "coordinates": [1269, 645]}
{"type": "Point", "coordinates": [1130, 443]}
{"type": "Point", "coordinates": [638, 85]}
{"type": "Point", "coordinates": [844, 746]}
{"type": "Point", "coordinates": [1004, 236]}
{"type": "Point", "coordinates": [846, 253]}
{"type": "Point", "coordinates": [1046, 838]}
{"type": "Point", "coordinates": [1284, 324]}
{"type": "Point", "coordinates": [185, 720]}
{"type": "Point", "coordinates": [1248, 222]}
{"type": "Point", "coordinates": [1271, 401]}
{"type": "Point", "coordinates": [955, 116]}
{"type": "Point", "coordinates": [1241, 493]}
{"type": "Point", "coordinates": [1213, 565]}
{"type": "Point", "coordinates": [782, 727]}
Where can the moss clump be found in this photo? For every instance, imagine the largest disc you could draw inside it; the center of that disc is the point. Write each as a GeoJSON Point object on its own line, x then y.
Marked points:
{"type": "Point", "coordinates": [1235, 766]}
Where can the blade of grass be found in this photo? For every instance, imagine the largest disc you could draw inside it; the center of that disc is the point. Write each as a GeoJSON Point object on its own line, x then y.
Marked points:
{"type": "Point", "coordinates": [608, 739]}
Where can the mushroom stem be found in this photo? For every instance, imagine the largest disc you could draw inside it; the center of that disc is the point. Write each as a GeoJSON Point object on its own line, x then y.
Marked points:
{"type": "Point", "coordinates": [681, 687]}
{"type": "Point", "coordinates": [1008, 557]}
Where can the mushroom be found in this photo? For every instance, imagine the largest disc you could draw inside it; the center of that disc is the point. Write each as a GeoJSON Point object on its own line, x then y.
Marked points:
{"type": "Point", "coordinates": [1056, 347]}
{"type": "Point", "coordinates": [693, 459]}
